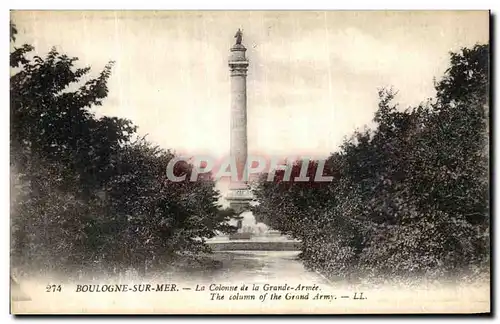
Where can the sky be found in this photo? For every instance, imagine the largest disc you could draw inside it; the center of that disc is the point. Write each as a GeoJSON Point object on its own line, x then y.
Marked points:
{"type": "Point", "coordinates": [312, 80]}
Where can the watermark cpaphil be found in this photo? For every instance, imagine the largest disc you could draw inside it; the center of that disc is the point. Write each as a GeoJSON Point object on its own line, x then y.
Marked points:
{"type": "Point", "coordinates": [294, 169]}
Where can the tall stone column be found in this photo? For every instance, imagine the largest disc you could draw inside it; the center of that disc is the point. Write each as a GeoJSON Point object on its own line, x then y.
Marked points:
{"type": "Point", "coordinates": [239, 193]}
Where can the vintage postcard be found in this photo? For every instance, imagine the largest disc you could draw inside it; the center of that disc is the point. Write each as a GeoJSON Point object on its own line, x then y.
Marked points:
{"type": "Point", "coordinates": [249, 162]}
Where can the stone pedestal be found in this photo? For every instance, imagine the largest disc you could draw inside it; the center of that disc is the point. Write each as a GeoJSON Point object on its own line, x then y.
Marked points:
{"type": "Point", "coordinates": [239, 199]}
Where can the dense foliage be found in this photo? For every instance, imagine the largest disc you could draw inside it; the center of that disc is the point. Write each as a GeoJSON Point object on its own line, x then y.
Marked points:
{"type": "Point", "coordinates": [410, 197]}
{"type": "Point", "coordinates": [85, 190]}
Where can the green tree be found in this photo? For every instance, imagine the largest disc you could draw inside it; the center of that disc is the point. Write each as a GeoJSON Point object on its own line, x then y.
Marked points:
{"type": "Point", "coordinates": [409, 197]}
{"type": "Point", "coordinates": [60, 152]}
{"type": "Point", "coordinates": [152, 217]}
{"type": "Point", "coordinates": [85, 195]}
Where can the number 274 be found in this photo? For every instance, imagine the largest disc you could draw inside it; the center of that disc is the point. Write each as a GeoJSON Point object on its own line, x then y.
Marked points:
{"type": "Point", "coordinates": [53, 288]}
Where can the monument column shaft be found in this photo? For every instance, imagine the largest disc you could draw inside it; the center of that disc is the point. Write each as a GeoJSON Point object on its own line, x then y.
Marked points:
{"type": "Point", "coordinates": [239, 195]}
{"type": "Point", "coordinates": [238, 66]}
{"type": "Point", "coordinates": [239, 142]}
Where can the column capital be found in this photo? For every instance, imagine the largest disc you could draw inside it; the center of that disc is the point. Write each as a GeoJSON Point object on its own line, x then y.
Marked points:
{"type": "Point", "coordinates": [238, 47]}
{"type": "Point", "coordinates": [238, 68]}
{"type": "Point", "coordinates": [237, 55]}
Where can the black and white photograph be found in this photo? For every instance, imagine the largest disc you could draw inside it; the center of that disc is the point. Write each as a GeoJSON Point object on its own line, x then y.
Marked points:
{"type": "Point", "coordinates": [250, 162]}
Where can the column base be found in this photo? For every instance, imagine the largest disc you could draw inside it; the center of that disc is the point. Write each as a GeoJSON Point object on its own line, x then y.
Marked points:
{"type": "Point", "coordinates": [239, 197]}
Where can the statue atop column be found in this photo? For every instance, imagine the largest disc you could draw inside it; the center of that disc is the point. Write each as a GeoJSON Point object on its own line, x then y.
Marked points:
{"type": "Point", "coordinates": [238, 36]}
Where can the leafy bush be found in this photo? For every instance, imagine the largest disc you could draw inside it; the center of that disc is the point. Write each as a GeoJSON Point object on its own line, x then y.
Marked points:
{"type": "Point", "coordinates": [409, 197]}
{"type": "Point", "coordinates": [85, 193]}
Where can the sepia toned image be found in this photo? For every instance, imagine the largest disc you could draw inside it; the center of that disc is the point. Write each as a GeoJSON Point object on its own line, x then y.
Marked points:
{"type": "Point", "coordinates": [249, 162]}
